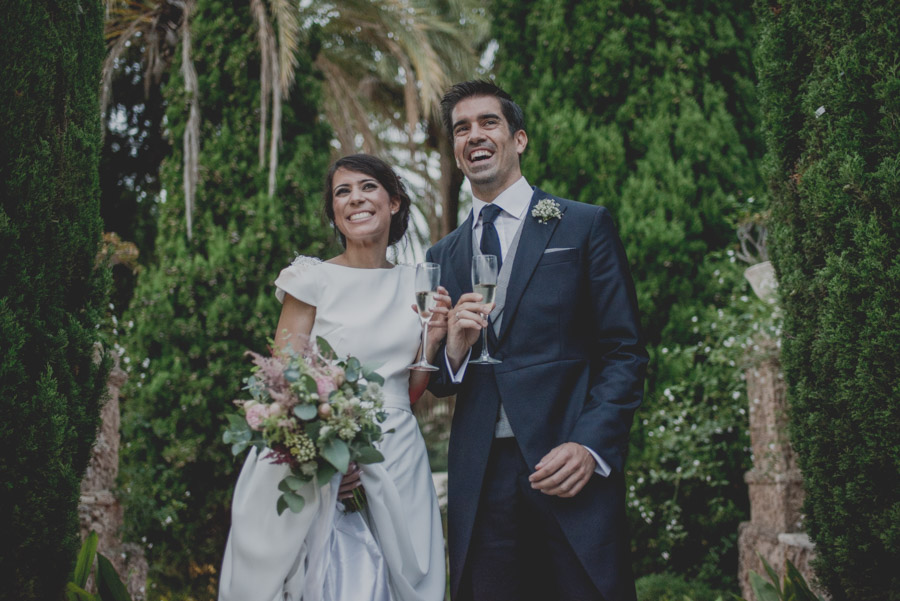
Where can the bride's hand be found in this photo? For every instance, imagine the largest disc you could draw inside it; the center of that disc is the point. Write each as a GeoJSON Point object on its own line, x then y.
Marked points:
{"type": "Point", "coordinates": [349, 482]}
{"type": "Point", "coordinates": [437, 326]}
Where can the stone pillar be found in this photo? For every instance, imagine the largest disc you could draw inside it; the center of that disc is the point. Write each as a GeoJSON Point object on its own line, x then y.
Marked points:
{"type": "Point", "coordinates": [775, 529]}
{"type": "Point", "coordinates": [98, 509]}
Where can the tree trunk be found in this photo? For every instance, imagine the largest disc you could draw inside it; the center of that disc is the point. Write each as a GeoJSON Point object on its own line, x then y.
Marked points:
{"type": "Point", "coordinates": [451, 181]}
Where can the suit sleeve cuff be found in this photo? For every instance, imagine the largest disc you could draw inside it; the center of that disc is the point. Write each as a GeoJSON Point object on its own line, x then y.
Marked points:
{"type": "Point", "coordinates": [602, 468]}
{"type": "Point", "coordinates": [457, 377]}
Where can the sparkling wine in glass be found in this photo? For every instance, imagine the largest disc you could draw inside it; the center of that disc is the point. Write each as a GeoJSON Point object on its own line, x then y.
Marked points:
{"type": "Point", "coordinates": [428, 278]}
{"type": "Point", "coordinates": [484, 282]}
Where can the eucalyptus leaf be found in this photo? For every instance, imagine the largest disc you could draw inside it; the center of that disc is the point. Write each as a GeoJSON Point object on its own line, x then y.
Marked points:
{"type": "Point", "coordinates": [281, 505]}
{"type": "Point", "coordinates": [292, 374]}
{"type": "Point", "coordinates": [324, 348]}
{"type": "Point", "coordinates": [236, 422]}
{"type": "Point", "coordinates": [294, 482]}
{"type": "Point", "coordinates": [239, 447]}
{"type": "Point", "coordinates": [312, 430]}
{"type": "Point", "coordinates": [351, 372]}
{"type": "Point", "coordinates": [294, 501]}
{"type": "Point", "coordinates": [309, 383]}
{"type": "Point", "coordinates": [367, 455]}
{"type": "Point", "coordinates": [337, 453]}
{"type": "Point", "coordinates": [372, 377]}
{"type": "Point", "coordinates": [325, 473]}
{"type": "Point", "coordinates": [305, 412]}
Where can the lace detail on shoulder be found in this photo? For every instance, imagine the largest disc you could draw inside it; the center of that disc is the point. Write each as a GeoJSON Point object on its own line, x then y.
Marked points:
{"type": "Point", "coordinates": [304, 262]}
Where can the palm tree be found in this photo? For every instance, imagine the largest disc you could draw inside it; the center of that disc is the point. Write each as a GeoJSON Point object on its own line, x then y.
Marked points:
{"type": "Point", "coordinates": [385, 64]}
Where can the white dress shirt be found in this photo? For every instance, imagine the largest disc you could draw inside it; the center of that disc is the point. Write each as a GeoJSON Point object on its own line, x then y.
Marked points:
{"type": "Point", "coordinates": [514, 201]}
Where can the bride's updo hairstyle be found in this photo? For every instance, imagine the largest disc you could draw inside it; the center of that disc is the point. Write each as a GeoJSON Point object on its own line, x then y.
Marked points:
{"type": "Point", "coordinates": [381, 171]}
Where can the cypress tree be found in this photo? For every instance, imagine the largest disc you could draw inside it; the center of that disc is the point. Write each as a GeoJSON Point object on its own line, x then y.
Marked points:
{"type": "Point", "coordinates": [52, 292]}
{"type": "Point", "coordinates": [203, 302]}
{"type": "Point", "coordinates": [648, 108]}
{"type": "Point", "coordinates": [830, 94]}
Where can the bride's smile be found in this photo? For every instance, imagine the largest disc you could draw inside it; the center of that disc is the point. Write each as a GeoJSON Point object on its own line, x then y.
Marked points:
{"type": "Point", "coordinates": [362, 206]}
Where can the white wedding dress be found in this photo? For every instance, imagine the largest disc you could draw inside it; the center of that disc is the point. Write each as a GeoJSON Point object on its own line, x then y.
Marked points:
{"type": "Point", "coordinates": [394, 550]}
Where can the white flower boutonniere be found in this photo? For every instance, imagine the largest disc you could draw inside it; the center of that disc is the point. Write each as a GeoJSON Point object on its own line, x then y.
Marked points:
{"type": "Point", "coordinates": [545, 210]}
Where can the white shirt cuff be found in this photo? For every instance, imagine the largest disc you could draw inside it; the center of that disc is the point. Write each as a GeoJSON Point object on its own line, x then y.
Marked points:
{"type": "Point", "coordinates": [457, 377]}
{"type": "Point", "coordinates": [602, 468]}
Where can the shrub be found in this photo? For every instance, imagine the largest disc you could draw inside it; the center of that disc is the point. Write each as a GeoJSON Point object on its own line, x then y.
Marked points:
{"type": "Point", "coordinates": [203, 302]}
{"type": "Point", "coordinates": [648, 108]}
{"type": "Point", "coordinates": [830, 92]}
{"type": "Point", "coordinates": [52, 292]}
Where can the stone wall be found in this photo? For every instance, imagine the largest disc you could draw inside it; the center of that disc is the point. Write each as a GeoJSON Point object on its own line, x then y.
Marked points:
{"type": "Point", "coordinates": [98, 509]}
{"type": "Point", "coordinates": [775, 529]}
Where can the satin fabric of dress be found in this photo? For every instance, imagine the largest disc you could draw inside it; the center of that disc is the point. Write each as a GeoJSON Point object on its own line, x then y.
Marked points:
{"type": "Point", "coordinates": [394, 550]}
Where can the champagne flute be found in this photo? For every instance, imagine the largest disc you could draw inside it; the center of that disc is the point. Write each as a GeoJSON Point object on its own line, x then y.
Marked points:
{"type": "Point", "coordinates": [428, 278]}
{"type": "Point", "coordinates": [484, 282]}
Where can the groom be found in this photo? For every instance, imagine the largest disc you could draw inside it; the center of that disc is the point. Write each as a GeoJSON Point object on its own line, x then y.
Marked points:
{"type": "Point", "coordinates": [538, 442]}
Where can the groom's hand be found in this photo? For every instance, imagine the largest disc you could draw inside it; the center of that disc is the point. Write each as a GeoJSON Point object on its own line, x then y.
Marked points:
{"type": "Point", "coordinates": [563, 471]}
{"type": "Point", "coordinates": [466, 321]}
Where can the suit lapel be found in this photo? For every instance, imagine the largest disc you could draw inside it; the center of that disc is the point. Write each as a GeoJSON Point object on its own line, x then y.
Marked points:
{"type": "Point", "coordinates": [460, 253]}
{"type": "Point", "coordinates": [533, 242]}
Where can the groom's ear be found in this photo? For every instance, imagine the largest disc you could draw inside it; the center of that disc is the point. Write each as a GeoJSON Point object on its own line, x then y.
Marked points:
{"type": "Point", "coordinates": [521, 139]}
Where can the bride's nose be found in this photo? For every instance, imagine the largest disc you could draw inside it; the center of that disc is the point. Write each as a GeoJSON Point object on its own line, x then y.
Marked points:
{"type": "Point", "coordinates": [356, 195]}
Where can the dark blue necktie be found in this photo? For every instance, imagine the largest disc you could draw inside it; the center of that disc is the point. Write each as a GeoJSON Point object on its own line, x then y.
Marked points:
{"type": "Point", "coordinates": [490, 241]}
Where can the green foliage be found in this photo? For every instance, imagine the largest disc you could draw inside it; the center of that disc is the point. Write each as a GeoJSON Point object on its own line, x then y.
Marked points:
{"type": "Point", "coordinates": [202, 303]}
{"type": "Point", "coordinates": [830, 93]}
{"type": "Point", "coordinates": [52, 292]}
{"type": "Point", "coordinates": [109, 584]}
{"type": "Point", "coordinates": [648, 109]}
{"type": "Point", "coordinates": [671, 587]}
{"type": "Point", "coordinates": [795, 587]}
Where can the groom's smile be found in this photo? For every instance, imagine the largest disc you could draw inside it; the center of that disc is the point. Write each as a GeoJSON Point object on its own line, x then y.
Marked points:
{"type": "Point", "coordinates": [484, 148]}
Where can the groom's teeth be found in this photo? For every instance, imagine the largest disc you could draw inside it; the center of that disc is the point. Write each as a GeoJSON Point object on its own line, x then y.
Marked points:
{"type": "Point", "coordinates": [358, 216]}
{"type": "Point", "coordinates": [479, 154]}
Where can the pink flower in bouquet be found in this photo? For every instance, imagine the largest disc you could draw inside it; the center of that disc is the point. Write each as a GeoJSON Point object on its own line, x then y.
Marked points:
{"type": "Point", "coordinates": [336, 373]}
{"type": "Point", "coordinates": [255, 415]}
{"type": "Point", "coordinates": [325, 384]}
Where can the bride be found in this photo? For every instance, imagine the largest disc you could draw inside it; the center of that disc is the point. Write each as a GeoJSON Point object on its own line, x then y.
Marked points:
{"type": "Point", "coordinates": [360, 303]}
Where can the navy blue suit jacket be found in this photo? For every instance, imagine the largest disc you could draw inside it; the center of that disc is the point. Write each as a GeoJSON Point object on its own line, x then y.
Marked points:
{"type": "Point", "coordinates": [573, 370]}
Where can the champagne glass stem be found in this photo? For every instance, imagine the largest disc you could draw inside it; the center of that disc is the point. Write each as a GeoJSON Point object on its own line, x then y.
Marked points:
{"type": "Point", "coordinates": [484, 350]}
{"type": "Point", "coordinates": [424, 340]}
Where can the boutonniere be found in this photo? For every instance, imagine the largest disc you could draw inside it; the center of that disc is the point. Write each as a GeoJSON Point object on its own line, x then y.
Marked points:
{"type": "Point", "coordinates": [545, 210]}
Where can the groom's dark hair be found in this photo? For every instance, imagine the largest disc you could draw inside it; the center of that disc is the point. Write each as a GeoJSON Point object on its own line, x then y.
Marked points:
{"type": "Point", "coordinates": [479, 87]}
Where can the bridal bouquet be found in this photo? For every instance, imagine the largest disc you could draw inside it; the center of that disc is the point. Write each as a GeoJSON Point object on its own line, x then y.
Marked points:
{"type": "Point", "coordinates": [314, 413]}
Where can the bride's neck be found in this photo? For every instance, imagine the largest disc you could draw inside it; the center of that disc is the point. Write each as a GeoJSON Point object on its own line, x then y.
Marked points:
{"type": "Point", "coordinates": [363, 257]}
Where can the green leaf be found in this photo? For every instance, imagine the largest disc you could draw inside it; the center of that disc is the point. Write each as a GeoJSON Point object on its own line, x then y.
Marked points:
{"type": "Point", "coordinates": [765, 591]}
{"type": "Point", "coordinates": [294, 501]}
{"type": "Point", "coordinates": [237, 422]}
{"type": "Point", "coordinates": [305, 412]}
{"type": "Point", "coordinates": [336, 452]}
{"type": "Point", "coordinates": [312, 430]}
{"type": "Point", "coordinates": [239, 447]}
{"type": "Point", "coordinates": [352, 371]}
{"type": "Point", "coordinates": [292, 374]}
{"type": "Point", "coordinates": [772, 575]}
{"type": "Point", "coordinates": [294, 482]}
{"type": "Point", "coordinates": [281, 505]}
{"type": "Point", "coordinates": [109, 585]}
{"type": "Point", "coordinates": [367, 455]}
{"type": "Point", "coordinates": [76, 593]}
{"type": "Point", "coordinates": [369, 373]}
{"type": "Point", "coordinates": [309, 383]}
{"type": "Point", "coordinates": [85, 560]}
{"type": "Point", "coordinates": [325, 473]}
{"type": "Point", "coordinates": [325, 349]}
